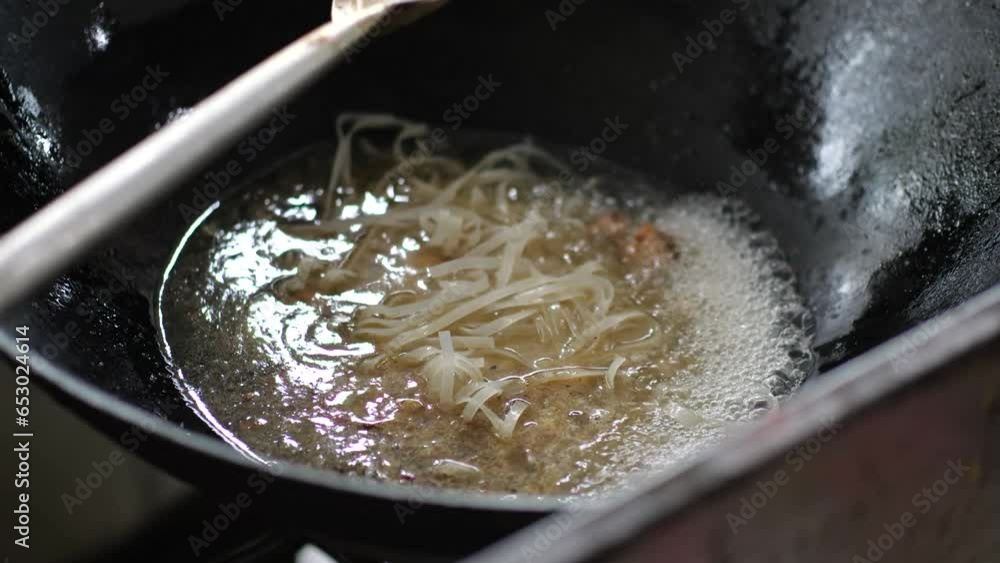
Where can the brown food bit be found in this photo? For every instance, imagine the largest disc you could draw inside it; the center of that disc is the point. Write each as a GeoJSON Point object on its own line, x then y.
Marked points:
{"type": "Point", "coordinates": [610, 224]}
{"type": "Point", "coordinates": [647, 242]}
{"type": "Point", "coordinates": [409, 406]}
{"type": "Point", "coordinates": [248, 424]}
{"type": "Point", "coordinates": [520, 458]}
{"type": "Point", "coordinates": [426, 257]}
{"type": "Point", "coordinates": [305, 294]}
{"type": "Point", "coordinates": [644, 242]}
{"type": "Point", "coordinates": [291, 289]}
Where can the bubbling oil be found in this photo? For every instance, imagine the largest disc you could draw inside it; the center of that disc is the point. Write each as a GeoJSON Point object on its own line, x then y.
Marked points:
{"type": "Point", "coordinates": [285, 377]}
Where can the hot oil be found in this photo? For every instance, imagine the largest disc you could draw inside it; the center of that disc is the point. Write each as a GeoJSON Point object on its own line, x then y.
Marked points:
{"type": "Point", "coordinates": [282, 376]}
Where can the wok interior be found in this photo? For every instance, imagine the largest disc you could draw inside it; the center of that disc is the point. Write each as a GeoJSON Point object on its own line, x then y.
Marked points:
{"type": "Point", "coordinates": [882, 197]}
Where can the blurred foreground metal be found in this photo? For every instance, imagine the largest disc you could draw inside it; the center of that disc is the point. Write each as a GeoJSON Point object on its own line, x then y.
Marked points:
{"type": "Point", "coordinates": [894, 458]}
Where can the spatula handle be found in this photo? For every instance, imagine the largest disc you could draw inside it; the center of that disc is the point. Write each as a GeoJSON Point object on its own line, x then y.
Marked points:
{"type": "Point", "coordinates": [47, 242]}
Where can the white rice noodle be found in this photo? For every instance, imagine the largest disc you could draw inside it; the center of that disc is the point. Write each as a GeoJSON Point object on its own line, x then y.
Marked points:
{"type": "Point", "coordinates": [456, 290]}
{"type": "Point", "coordinates": [499, 325]}
{"type": "Point", "coordinates": [560, 373]}
{"type": "Point", "coordinates": [423, 353]}
{"type": "Point", "coordinates": [524, 177]}
{"type": "Point", "coordinates": [566, 288]}
{"type": "Point", "coordinates": [450, 293]}
{"type": "Point", "coordinates": [333, 279]}
{"type": "Point", "coordinates": [453, 468]}
{"type": "Point", "coordinates": [419, 355]}
{"type": "Point", "coordinates": [540, 300]}
{"type": "Point", "coordinates": [564, 315]}
{"type": "Point", "coordinates": [388, 332]}
{"type": "Point", "coordinates": [551, 319]}
{"type": "Point", "coordinates": [511, 254]}
{"type": "Point", "coordinates": [447, 375]}
{"type": "Point", "coordinates": [514, 413]}
{"type": "Point", "coordinates": [491, 416]}
{"type": "Point", "coordinates": [320, 275]}
{"type": "Point", "coordinates": [409, 131]}
{"type": "Point", "coordinates": [504, 427]}
{"type": "Point", "coordinates": [501, 206]}
{"type": "Point", "coordinates": [376, 322]}
{"type": "Point", "coordinates": [462, 310]}
{"type": "Point", "coordinates": [473, 342]}
{"type": "Point", "coordinates": [476, 197]}
{"type": "Point", "coordinates": [509, 354]}
{"type": "Point", "coordinates": [481, 263]}
{"type": "Point", "coordinates": [424, 216]}
{"type": "Point", "coordinates": [445, 231]}
{"type": "Point", "coordinates": [544, 334]}
{"type": "Point", "coordinates": [513, 154]}
{"type": "Point", "coordinates": [478, 399]}
{"type": "Point", "coordinates": [524, 231]}
{"type": "Point", "coordinates": [592, 334]}
{"type": "Point", "coordinates": [340, 170]}
{"type": "Point", "coordinates": [616, 364]}
{"type": "Point", "coordinates": [436, 164]}
{"type": "Point", "coordinates": [653, 338]}
{"type": "Point", "coordinates": [444, 369]}
{"type": "Point", "coordinates": [556, 375]}
{"type": "Point", "coordinates": [489, 287]}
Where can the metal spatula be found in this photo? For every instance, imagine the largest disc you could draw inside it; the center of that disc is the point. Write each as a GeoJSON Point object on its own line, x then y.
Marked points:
{"type": "Point", "coordinates": [45, 243]}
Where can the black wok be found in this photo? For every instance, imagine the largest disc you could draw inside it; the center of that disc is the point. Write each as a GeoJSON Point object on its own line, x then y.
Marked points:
{"type": "Point", "coordinates": [882, 190]}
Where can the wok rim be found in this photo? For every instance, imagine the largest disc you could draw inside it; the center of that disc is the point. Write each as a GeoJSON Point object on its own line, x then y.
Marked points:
{"type": "Point", "coordinates": [954, 332]}
{"type": "Point", "coordinates": [849, 391]}
{"type": "Point", "coordinates": [88, 395]}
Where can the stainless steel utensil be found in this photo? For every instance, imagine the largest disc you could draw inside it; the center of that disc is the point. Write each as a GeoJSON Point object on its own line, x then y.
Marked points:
{"type": "Point", "coordinates": [47, 242]}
